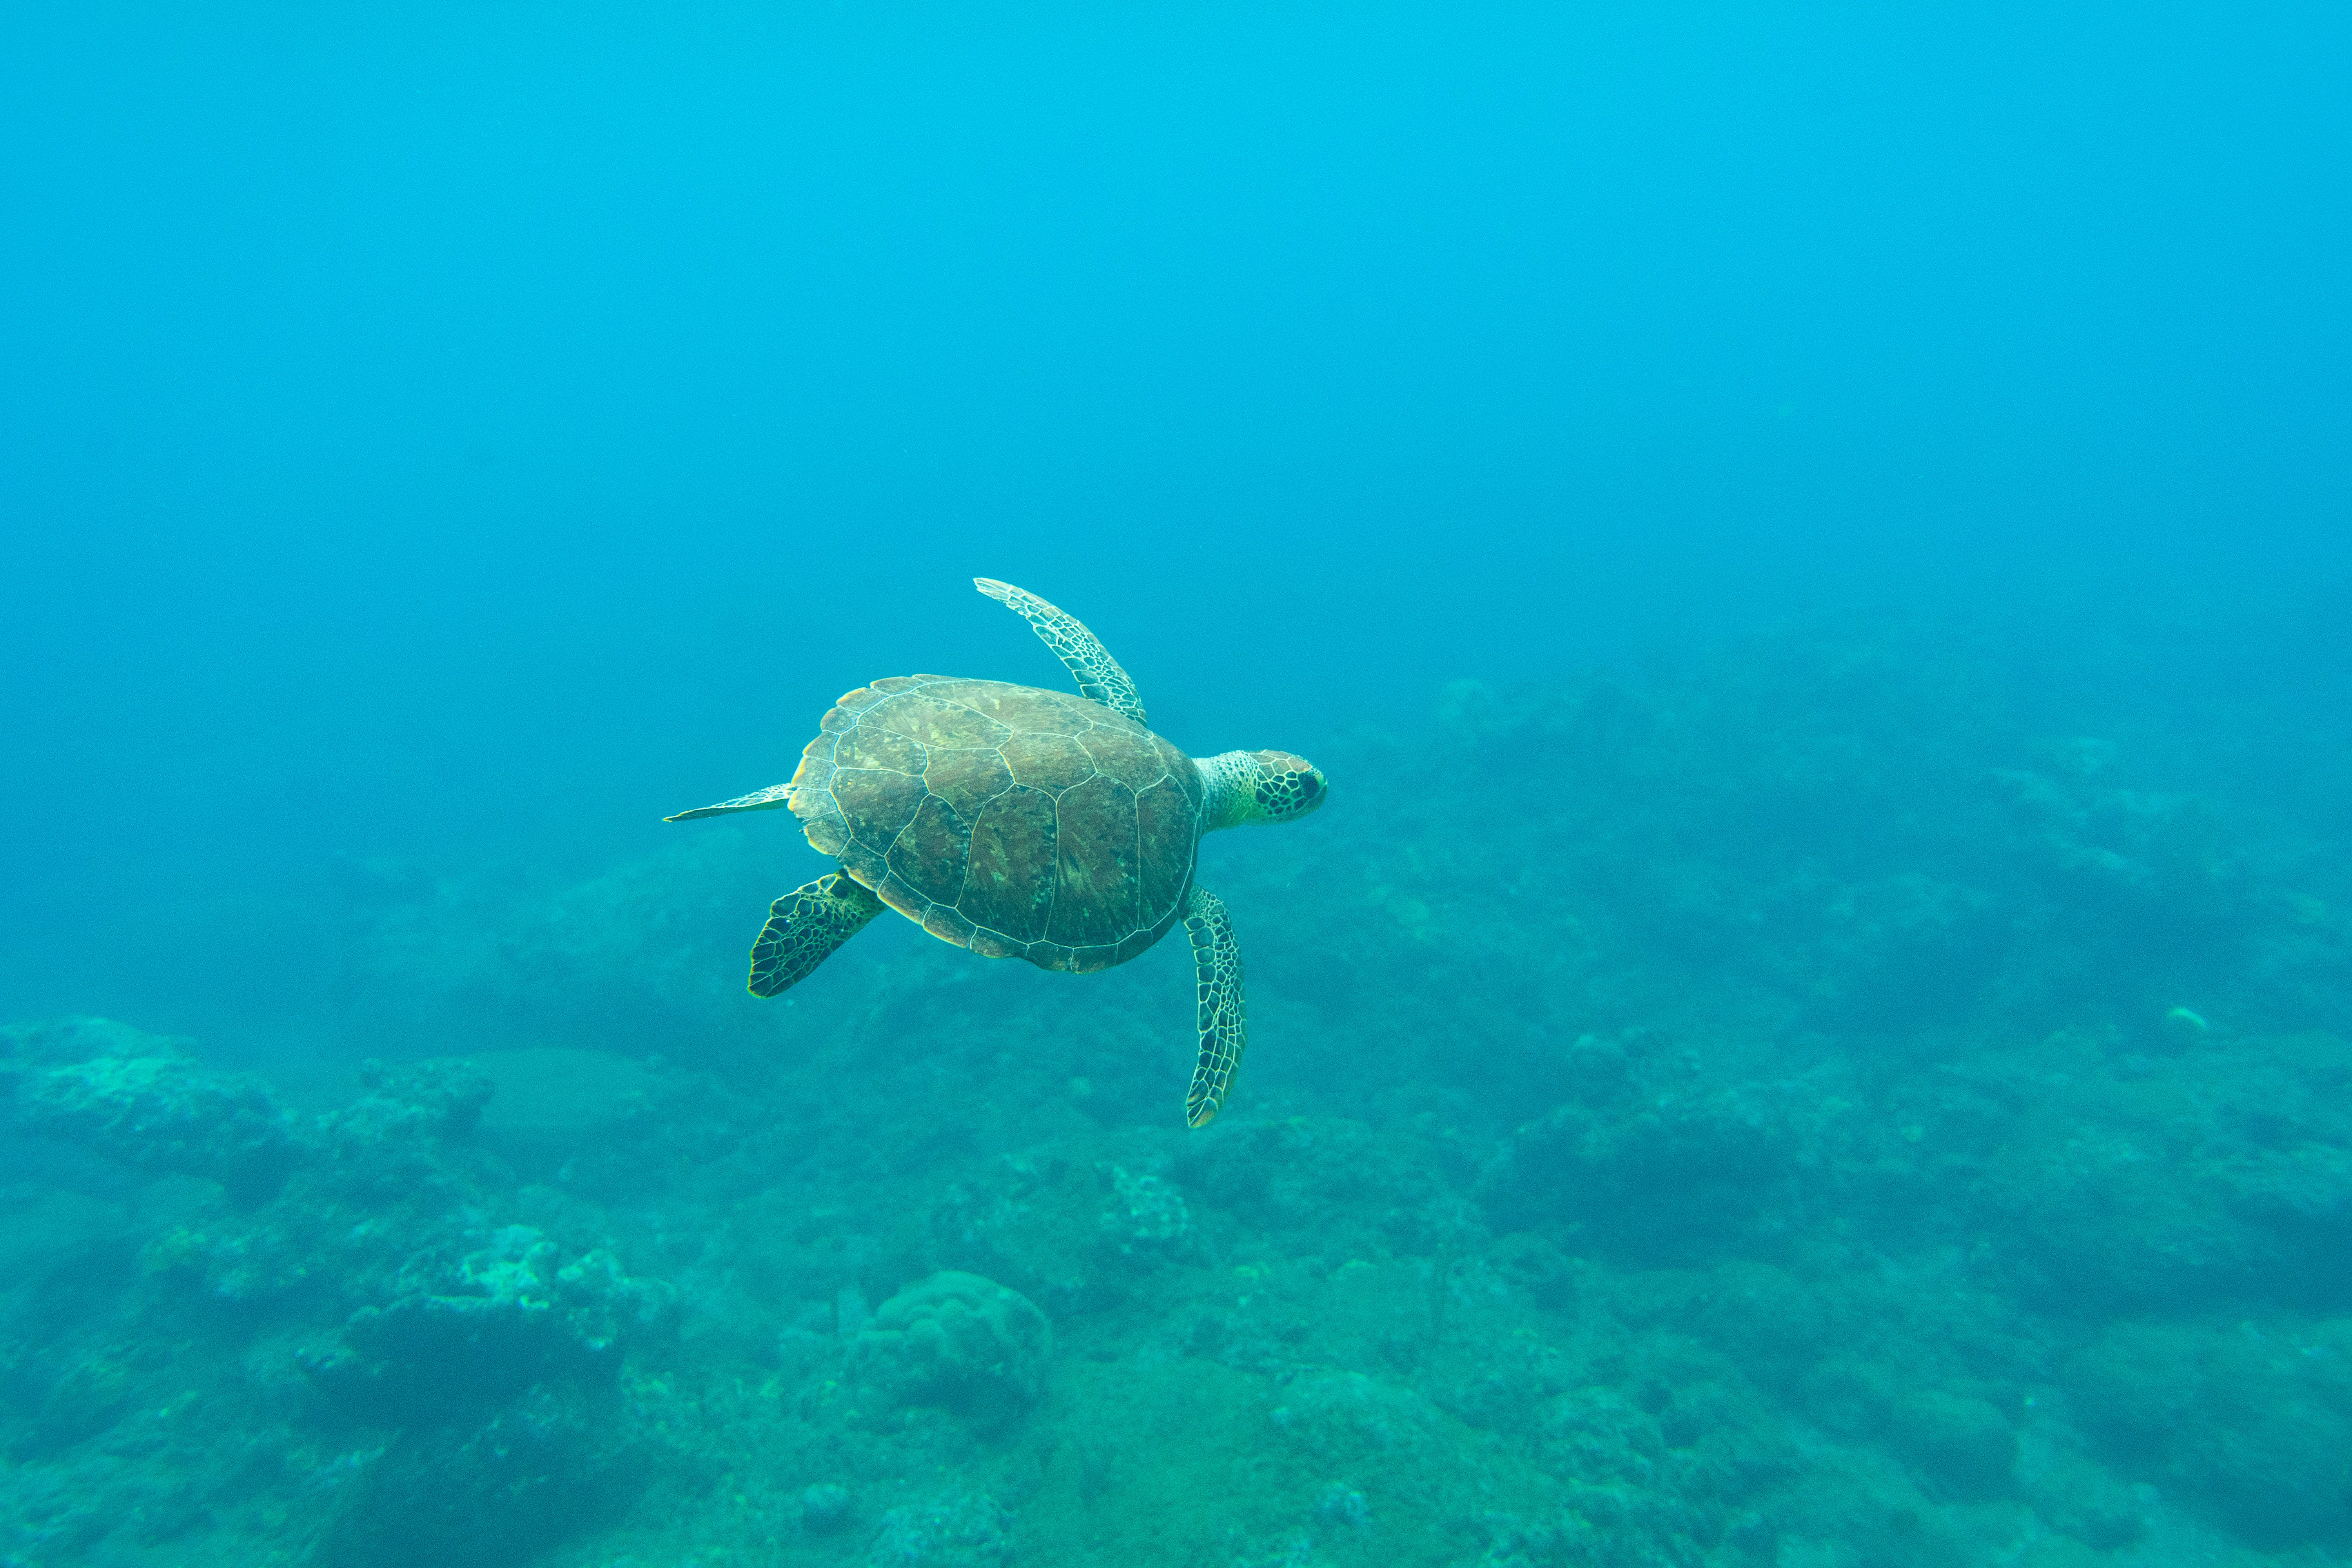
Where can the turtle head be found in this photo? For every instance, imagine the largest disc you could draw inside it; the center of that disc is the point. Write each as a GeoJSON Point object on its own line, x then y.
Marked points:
{"type": "Point", "coordinates": [1287, 787]}
{"type": "Point", "coordinates": [1253, 788]}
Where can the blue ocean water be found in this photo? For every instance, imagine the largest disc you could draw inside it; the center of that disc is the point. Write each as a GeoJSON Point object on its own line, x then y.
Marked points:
{"type": "Point", "coordinates": [1810, 544]}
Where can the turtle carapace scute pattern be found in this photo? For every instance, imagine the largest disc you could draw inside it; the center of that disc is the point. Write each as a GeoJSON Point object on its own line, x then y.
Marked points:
{"type": "Point", "coordinates": [1021, 823]}
{"type": "Point", "coordinates": [1015, 821]}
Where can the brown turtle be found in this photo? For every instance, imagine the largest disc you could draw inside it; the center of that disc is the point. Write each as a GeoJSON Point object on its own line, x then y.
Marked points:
{"type": "Point", "coordinates": [1024, 824]}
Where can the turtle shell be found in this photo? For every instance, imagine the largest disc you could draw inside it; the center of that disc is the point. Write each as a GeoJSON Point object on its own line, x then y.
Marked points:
{"type": "Point", "coordinates": [1015, 821]}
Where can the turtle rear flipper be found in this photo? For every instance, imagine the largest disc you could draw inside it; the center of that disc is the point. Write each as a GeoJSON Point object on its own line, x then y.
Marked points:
{"type": "Point", "coordinates": [1224, 1010]}
{"type": "Point", "coordinates": [803, 928]}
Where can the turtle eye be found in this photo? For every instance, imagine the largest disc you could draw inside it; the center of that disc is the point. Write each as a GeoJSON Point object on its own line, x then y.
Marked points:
{"type": "Point", "coordinates": [1309, 786]}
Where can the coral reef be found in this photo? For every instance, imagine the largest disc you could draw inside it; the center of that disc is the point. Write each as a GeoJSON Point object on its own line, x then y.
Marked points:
{"type": "Point", "coordinates": [1816, 1135]}
{"type": "Point", "coordinates": [960, 1342]}
{"type": "Point", "coordinates": [441, 1385]}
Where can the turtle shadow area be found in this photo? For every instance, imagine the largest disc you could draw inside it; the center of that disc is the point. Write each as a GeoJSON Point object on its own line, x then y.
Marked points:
{"type": "Point", "coordinates": [1877, 1093]}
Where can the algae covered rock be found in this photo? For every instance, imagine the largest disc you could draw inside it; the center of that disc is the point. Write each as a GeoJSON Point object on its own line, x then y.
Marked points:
{"type": "Point", "coordinates": [2212, 1176]}
{"type": "Point", "coordinates": [2250, 1422]}
{"type": "Point", "coordinates": [1964, 1445]}
{"type": "Point", "coordinates": [960, 1343]}
{"type": "Point", "coordinates": [496, 1370]}
{"type": "Point", "coordinates": [146, 1099]}
{"type": "Point", "coordinates": [967, 1531]}
{"type": "Point", "coordinates": [492, 1492]}
{"type": "Point", "coordinates": [440, 1098]}
{"type": "Point", "coordinates": [379, 1183]}
{"type": "Point", "coordinates": [826, 1507]}
{"type": "Point", "coordinates": [464, 1335]}
{"type": "Point", "coordinates": [1677, 1174]}
{"type": "Point", "coordinates": [1073, 1235]}
{"type": "Point", "coordinates": [1330, 1180]}
{"type": "Point", "coordinates": [1347, 1418]}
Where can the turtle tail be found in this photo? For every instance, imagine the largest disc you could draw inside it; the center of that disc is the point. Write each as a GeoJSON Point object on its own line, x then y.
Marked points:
{"type": "Point", "coordinates": [803, 928]}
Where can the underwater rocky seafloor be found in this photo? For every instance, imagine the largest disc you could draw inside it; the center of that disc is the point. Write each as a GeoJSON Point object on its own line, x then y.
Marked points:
{"type": "Point", "coordinates": [1875, 1095]}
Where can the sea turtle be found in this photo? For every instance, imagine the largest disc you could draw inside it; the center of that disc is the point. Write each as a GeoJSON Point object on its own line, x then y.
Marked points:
{"type": "Point", "coordinates": [1024, 824]}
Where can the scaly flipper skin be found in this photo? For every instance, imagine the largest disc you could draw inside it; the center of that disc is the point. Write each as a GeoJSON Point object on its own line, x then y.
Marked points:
{"type": "Point", "coordinates": [1224, 1010]}
{"type": "Point", "coordinates": [1097, 674]}
{"type": "Point", "coordinates": [768, 799]}
{"type": "Point", "coordinates": [803, 928]}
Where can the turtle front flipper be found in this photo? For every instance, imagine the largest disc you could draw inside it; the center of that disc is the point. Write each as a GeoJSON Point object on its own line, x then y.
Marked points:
{"type": "Point", "coordinates": [1098, 675]}
{"type": "Point", "coordinates": [1224, 1011]}
{"type": "Point", "coordinates": [768, 799]}
{"type": "Point", "coordinates": [803, 928]}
